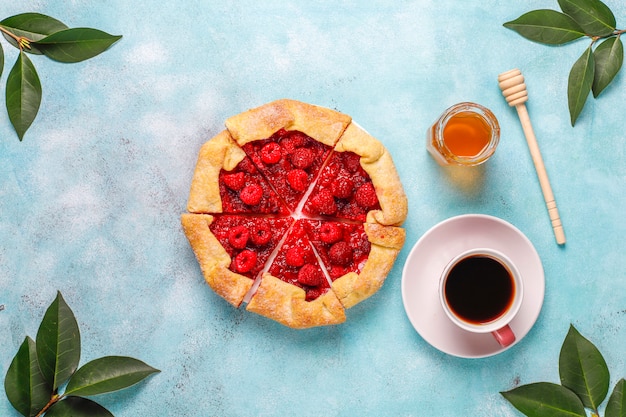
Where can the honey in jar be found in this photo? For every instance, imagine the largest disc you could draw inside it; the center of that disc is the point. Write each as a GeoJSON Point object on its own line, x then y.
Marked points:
{"type": "Point", "coordinates": [465, 134]}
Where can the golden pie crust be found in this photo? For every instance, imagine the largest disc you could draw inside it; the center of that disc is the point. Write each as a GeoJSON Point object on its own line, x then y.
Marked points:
{"type": "Point", "coordinates": [377, 162]}
{"type": "Point", "coordinates": [221, 152]}
{"type": "Point", "coordinates": [322, 124]}
{"type": "Point", "coordinates": [213, 259]}
{"type": "Point", "coordinates": [269, 296]}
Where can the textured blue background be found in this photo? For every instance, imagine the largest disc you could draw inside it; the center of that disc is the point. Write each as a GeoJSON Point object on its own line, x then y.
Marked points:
{"type": "Point", "coordinates": [90, 200]}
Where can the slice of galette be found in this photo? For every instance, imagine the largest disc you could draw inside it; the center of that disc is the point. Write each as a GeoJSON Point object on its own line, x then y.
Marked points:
{"type": "Point", "coordinates": [233, 249]}
{"type": "Point", "coordinates": [358, 285]}
{"type": "Point", "coordinates": [357, 256]}
{"type": "Point", "coordinates": [288, 141]}
{"type": "Point", "coordinates": [359, 183]}
{"type": "Point", "coordinates": [295, 290]}
{"type": "Point", "coordinates": [226, 181]}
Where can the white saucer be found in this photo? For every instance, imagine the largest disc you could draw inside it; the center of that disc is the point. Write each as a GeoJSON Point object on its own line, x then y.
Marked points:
{"type": "Point", "coordinates": [433, 251]}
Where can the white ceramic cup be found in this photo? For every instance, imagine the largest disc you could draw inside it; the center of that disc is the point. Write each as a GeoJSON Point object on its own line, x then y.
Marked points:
{"type": "Point", "coordinates": [477, 290]}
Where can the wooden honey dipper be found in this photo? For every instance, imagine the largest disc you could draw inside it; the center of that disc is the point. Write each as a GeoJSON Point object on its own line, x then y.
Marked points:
{"type": "Point", "coordinates": [514, 90]}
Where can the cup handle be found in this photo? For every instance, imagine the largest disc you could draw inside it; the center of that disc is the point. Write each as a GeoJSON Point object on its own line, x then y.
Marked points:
{"type": "Point", "coordinates": [504, 336]}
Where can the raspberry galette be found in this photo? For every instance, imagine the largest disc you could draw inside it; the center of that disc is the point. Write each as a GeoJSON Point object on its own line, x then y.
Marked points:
{"type": "Point", "coordinates": [295, 211]}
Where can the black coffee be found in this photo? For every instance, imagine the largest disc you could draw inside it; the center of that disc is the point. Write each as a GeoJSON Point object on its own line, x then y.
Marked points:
{"type": "Point", "coordinates": [479, 289]}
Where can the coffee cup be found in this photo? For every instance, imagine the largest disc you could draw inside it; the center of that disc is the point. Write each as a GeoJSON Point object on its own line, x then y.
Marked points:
{"type": "Point", "coordinates": [481, 291]}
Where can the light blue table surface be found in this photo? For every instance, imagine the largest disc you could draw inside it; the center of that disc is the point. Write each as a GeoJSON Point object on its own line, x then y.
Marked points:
{"type": "Point", "coordinates": [90, 200]}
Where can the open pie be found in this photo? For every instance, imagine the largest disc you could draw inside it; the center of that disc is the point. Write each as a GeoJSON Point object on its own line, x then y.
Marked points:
{"type": "Point", "coordinates": [295, 211]}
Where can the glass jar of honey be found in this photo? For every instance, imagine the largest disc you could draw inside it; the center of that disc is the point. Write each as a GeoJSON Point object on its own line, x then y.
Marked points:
{"type": "Point", "coordinates": [465, 134]}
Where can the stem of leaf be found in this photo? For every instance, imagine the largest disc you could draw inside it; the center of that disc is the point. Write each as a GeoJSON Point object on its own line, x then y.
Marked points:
{"type": "Point", "coordinates": [22, 41]}
{"type": "Point", "coordinates": [53, 400]}
{"type": "Point", "coordinates": [617, 33]}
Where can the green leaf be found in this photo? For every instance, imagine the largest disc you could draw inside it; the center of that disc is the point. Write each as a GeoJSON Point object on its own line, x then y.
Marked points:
{"type": "Point", "coordinates": [23, 94]}
{"type": "Point", "coordinates": [546, 26]}
{"type": "Point", "coordinates": [593, 16]}
{"type": "Point", "coordinates": [78, 407]}
{"type": "Point", "coordinates": [543, 399]}
{"type": "Point", "coordinates": [609, 56]}
{"type": "Point", "coordinates": [58, 343]}
{"type": "Point", "coordinates": [75, 45]}
{"type": "Point", "coordinates": [24, 384]}
{"type": "Point", "coordinates": [579, 83]}
{"type": "Point", "coordinates": [107, 374]}
{"type": "Point", "coordinates": [1, 59]}
{"type": "Point", "coordinates": [583, 369]}
{"type": "Point", "coordinates": [616, 407]}
{"type": "Point", "coordinates": [34, 26]}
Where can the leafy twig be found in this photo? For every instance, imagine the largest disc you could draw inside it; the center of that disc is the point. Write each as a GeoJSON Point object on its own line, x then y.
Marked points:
{"type": "Point", "coordinates": [40, 368]}
{"type": "Point", "coordinates": [597, 67]}
{"type": "Point", "coordinates": [38, 34]}
{"type": "Point", "coordinates": [584, 385]}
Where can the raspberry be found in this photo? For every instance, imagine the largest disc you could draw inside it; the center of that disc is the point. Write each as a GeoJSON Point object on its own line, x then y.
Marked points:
{"type": "Point", "coordinates": [310, 275]}
{"type": "Point", "coordinates": [337, 271]}
{"type": "Point", "coordinates": [343, 186]}
{"type": "Point", "coordinates": [271, 153]}
{"type": "Point", "coordinates": [302, 158]}
{"type": "Point", "coordinates": [293, 140]}
{"type": "Point", "coordinates": [244, 261]}
{"type": "Point", "coordinates": [234, 181]}
{"type": "Point", "coordinates": [366, 195]}
{"type": "Point", "coordinates": [246, 165]}
{"type": "Point", "coordinates": [351, 161]}
{"type": "Point", "coordinates": [314, 292]}
{"type": "Point", "coordinates": [280, 133]}
{"type": "Point", "coordinates": [330, 232]}
{"type": "Point", "coordinates": [251, 194]}
{"type": "Point", "coordinates": [294, 256]}
{"type": "Point", "coordinates": [324, 202]}
{"type": "Point", "coordinates": [297, 179]}
{"type": "Point", "coordinates": [340, 254]}
{"type": "Point", "coordinates": [238, 237]}
{"type": "Point", "coordinates": [261, 234]}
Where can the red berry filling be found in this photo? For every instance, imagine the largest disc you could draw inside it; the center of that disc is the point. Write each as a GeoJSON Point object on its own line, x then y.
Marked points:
{"type": "Point", "coordinates": [290, 160]}
{"type": "Point", "coordinates": [343, 247]}
{"type": "Point", "coordinates": [348, 185]}
{"type": "Point", "coordinates": [297, 264]}
{"type": "Point", "coordinates": [244, 190]}
{"type": "Point", "coordinates": [249, 241]}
